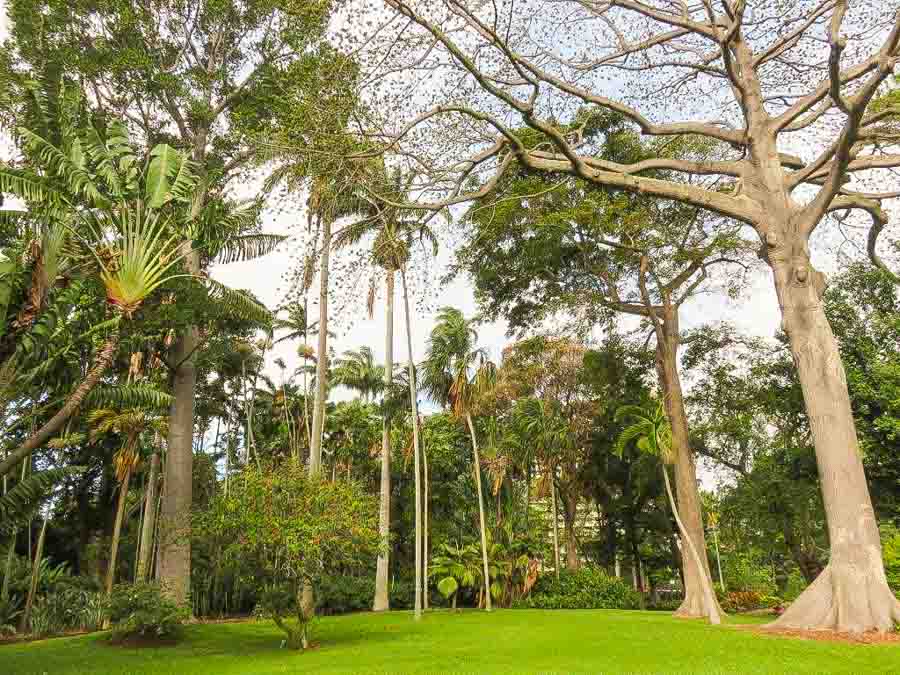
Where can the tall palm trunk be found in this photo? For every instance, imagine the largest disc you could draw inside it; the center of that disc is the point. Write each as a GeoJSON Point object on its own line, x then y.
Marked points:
{"type": "Point", "coordinates": [381, 601]}
{"type": "Point", "coordinates": [315, 448]}
{"type": "Point", "coordinates": [35, 575]}
{"type": "Point", "coordinates": [149, 524]}
{"type": "Point", "coordinates": [55, 423]}
{"type": "Point", "coordinates": [117, 531]}
{"type": "Point", "coordinates": [414, 407]}
{"type": "Point", "coordinates": [425, 550]}
{"type": "Point", "coordinates": [484, 554]}
{"type": "Point", "coordinates": [712, 606]}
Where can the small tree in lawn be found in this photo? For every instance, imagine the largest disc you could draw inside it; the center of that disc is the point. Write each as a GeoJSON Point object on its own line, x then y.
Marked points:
{"type": "Point", "coordinates": [291, 528]}
{"type": "Point", "coordinates": [654, 436]}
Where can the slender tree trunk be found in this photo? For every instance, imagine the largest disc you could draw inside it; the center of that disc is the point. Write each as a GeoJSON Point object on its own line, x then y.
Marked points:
{"type": "Point", "coordinates": [484, 553]}
{"type": "Point", "coordinates": [142, 514]}
{"type": "Point", "coordinates": [11, 551]}
{"type": "Point", "coordinates": [718, 558]}
{"type": "Point", "coordinates": [55, 423]}
{"type": "Point", "coordinates": [425, 548]}
{"type": "Point", "coordinates": [570, 511]}
{"type": "Point", "coordinates": [117, 531]}
{"type": "Point", "coordinates": [315, 452]}
{"type": "Point", "coordinates": [149, 523]}
{"type": "Point", "coordinates": [851, 594]}
{"type": "Point", "coordinates": [555, 523]}
{"type": "Point", "coordinates": [414, 408]}
{"type": "Point", "coordinates": [381, 601]}
{"type": "Point", "coordinates": [714, 613]}
{"type": "Point", "coordinates": [35, 574]}
{"type": "Point", "coordinates": [695, 576]}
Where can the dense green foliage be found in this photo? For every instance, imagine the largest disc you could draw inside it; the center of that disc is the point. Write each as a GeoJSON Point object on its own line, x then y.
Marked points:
{"type": "Point", "coordinates": [588, 587]}
{"type": "Point", "coordinates": [142, 611]}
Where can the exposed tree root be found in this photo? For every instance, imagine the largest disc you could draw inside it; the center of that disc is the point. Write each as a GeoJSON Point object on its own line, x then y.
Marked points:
{"type": "Point", "coordinates": [855, 599]}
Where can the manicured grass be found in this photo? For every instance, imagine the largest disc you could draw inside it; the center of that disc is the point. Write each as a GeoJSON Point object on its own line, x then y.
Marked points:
{"type": "Point", "coordinates": [507, 641]}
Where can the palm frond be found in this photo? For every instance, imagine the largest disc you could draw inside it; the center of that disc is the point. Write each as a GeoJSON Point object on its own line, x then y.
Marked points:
{"type": "Point", "coordinates": [239, 304]}
{"type": "Point", "coordinates": [129, 396]}
{"type": "Point", "coordinates": [18, 505]}
{"type": "Point", "coordinates": [248, 247]}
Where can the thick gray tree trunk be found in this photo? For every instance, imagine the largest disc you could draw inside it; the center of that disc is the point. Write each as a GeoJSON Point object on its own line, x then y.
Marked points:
{"type": "Point", "coordinates": [484, 555]}
{"type": "Point", "coordinates": [175, 518]}
{"type": "Point", "coordinates": [382, 600]}
{"type": "Point", "coordinates": [851, 594]}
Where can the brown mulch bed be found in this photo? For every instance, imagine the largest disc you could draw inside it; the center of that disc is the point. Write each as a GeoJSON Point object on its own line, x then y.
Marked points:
{"type": "Point", "coordinates": [869, 638]}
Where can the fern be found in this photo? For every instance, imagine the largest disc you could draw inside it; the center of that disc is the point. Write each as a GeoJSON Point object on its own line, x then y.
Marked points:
{"type": "Point", "coordinates": [20, 503]}
{"type": "Point", "coordinates": [129, 396]}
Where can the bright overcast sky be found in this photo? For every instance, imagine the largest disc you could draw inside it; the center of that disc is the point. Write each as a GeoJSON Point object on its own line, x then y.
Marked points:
{"type": "Point", "coordinates": [756, 313]}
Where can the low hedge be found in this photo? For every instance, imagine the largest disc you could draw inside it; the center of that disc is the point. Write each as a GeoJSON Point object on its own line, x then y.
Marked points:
{"type": "Point", "coordinates": [588, 587]}
{"type": "Point", "coordinates": [345, 594]}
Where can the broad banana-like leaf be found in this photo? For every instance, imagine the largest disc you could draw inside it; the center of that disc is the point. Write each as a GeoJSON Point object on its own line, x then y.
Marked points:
{"type": "Point", "coordinates": [447, 586]}
{"type": "Point", "coordinates": [7, 268]}
{"type": "Point", "coordinates": [164, 163]}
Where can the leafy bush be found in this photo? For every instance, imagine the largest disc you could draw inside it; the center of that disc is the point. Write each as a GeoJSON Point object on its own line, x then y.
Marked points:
{"type": "Point", "coordinates": [345, 594]}
{"type": "Point", "coordinates": [890, 549]}
{"type": "Point", "coordinates": [745, 601]}
{"type": "Point", "coordinates": [746, 572]}
{"type": "Point", "coordinates": [67, 609]}
{"type": "Point", "coordinates": [141, 610]}
{"type": "Point", "coordinates": [586, 588]}
{"type": "Point", "coordinates": [10, 609]}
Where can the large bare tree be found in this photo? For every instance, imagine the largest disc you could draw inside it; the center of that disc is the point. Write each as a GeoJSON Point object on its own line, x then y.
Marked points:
{"type": "Point", "coordinates": [783, 89]}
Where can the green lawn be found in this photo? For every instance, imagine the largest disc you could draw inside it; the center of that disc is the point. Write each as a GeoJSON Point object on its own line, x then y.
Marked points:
{"type": "Point", "coordinates": [510, 641]}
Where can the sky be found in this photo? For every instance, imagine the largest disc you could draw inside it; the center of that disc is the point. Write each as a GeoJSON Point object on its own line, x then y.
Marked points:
{"type": "Point", "coordinates": [756, 313]}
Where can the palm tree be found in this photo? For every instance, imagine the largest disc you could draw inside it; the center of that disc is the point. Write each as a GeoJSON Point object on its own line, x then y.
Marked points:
{"type": "Point", "coordinates": [455, 374]}
{"type": "Point", "coordinates": [358, 371]}
{"type": "Point", "coordinates": [548, 432]}
{"type": "Point", "coordinates": [393, 231]}
{"type": "Point", "coordinates": [131, 424]}
{"type": "Point", "coordinates": [650, 428]}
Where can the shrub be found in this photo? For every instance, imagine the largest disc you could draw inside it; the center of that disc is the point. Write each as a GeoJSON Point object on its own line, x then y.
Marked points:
{"type": "Point", "coordinates": [890, 548]}
{"type": "Point", "coordinates": [745, 601]}
{"type": "Point", "coordinates": [10, 609]}
{"type": "Point", "coordinates": [67, 609]}
{"type": "Point", "coordinates": [141, 610]}
{"type": "Point", "coordinates": [345, 594]}
{"type": "Point", "coordinates": [747, 572]}
{"type": "Point", "coordinates": [586, 588]}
